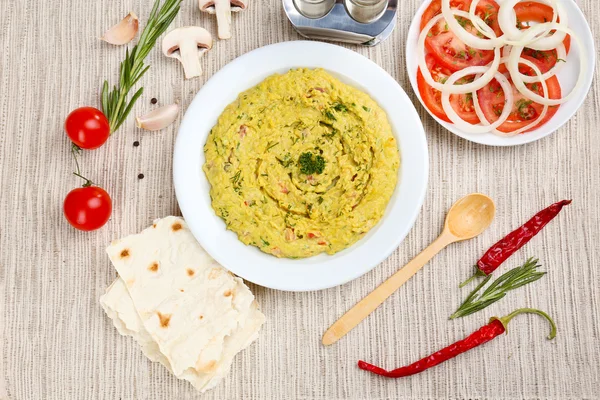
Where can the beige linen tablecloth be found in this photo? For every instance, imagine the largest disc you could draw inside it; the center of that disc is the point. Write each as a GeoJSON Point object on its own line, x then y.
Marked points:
{"type": "Point", "coordinates": [56, 342]}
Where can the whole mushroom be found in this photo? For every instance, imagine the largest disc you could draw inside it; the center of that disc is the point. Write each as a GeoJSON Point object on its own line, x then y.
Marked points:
{"type": "Point", "coordinates": [223, 9]}
{"type": "Point", "coordinates": [187, 44]}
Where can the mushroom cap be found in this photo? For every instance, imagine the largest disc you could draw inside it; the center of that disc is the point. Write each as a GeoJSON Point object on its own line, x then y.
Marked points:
{"type": "Point", "coordinates": [172, 41]}
{"type": "Point", "coordinates": [209, 5]}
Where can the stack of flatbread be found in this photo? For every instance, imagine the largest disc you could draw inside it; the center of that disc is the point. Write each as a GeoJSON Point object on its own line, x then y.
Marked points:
{"type": "Point", "coordinates": [179, 304]}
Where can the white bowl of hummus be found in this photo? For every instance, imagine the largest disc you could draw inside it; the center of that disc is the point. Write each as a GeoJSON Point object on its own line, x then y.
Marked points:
{"type": "Point", "coordinates": [300, 166]}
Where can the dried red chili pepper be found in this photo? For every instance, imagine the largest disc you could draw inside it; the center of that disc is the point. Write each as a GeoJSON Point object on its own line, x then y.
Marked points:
{"type": "Point", "coordinates": [518, 238]}
{"type": "Point", "coordinates": [496, 327]}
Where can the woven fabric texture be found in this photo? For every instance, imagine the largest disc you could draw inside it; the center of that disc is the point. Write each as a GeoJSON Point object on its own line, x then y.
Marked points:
{"type": "Point", "coordinates": [56, 342]}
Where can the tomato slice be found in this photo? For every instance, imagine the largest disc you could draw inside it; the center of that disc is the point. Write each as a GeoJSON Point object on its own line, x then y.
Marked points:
{"type": "Point", "coordinates": [491, 100]}
{"type": "Point", "coordinates": [486, 9]}
{"type": "Point", "coordinates": [435, 8]}
{"type": "Point", "coordinates": [450, 51]}
{"type": "Point", "coordinates": [461, 103]}
{"type": "Point", "coordinates": [531, 11]}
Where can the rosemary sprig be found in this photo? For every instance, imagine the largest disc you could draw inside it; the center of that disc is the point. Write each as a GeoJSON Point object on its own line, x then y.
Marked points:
{"type": "Point", "coordinates": [115, 105]}
{"type": "Point", "coordinates": [511, 280]}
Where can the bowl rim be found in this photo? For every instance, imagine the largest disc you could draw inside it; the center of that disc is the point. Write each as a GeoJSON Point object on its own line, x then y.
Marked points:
{"type": "Point", "coordinates": [281, 57]}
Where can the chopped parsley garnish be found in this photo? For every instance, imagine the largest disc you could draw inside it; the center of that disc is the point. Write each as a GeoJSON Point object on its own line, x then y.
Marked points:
{"type": "Point", "coordinates": [332, 134]}
{"type": "Point", "coordinates": [265, 243]}
{"type": "Point", "coordinates": [340, 107]}
{"type": "Point", "coordinates": [286, 161]}
{"type": "Point", "coordinates": [236, 178]}
{"type": "Point", "coordinates": [462, 21]}
{"type": "Point", "coordinates": [486, 17]}
{"type": "Point", "coordinates": [320, 200]}
{"type": "Point", "coordinates": [310, 164]}
{"type": "Point", "coordinates": [330, 115]}
{"type": "Point", "coordinates": [270, 146]}
{"type": "Point", "coordinates": [538, 54]}
{"type": "Point", "coordinates": [367, 109]}
{"type": "Point", "coordinates": [523, 108]}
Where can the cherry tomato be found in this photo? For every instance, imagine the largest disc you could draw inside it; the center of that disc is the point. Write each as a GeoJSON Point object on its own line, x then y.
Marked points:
{"type": "Point", "coordinates": [87, 127]}
{"type": "Point", "coordinates": [491, 100]}
{"type": "Point", "coordinates": [461, 103]}
{"type": "Point", "coordinates": [87, 208]}
{"type": "Point", "coordinates": [445, 46]}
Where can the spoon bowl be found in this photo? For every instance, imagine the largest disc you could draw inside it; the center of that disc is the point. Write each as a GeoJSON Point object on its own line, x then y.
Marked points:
{"type": "Point", "coordinates": [470, 216]}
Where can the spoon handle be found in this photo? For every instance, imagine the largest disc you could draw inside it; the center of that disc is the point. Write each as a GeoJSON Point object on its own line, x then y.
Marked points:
{"type": "Point", "coordinates": [367, 305]}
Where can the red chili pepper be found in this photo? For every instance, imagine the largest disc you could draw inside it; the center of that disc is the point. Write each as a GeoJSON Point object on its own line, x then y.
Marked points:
{"type": "Point", "coordinates": [518, 238]}
{"type": "Point", "coordinates": [496, 327]}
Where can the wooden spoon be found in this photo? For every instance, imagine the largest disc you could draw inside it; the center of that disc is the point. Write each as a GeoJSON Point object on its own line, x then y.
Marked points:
{"type": "Point", "coordinates": [467, 218]}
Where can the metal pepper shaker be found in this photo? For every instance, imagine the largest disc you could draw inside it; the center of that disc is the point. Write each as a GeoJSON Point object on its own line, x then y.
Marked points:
{"type": "Point", "coordinates": [365, 22]}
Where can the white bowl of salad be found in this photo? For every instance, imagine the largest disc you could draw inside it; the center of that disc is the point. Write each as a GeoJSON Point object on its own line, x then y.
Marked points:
{"type": "Point", "coordinates": [500, 73]}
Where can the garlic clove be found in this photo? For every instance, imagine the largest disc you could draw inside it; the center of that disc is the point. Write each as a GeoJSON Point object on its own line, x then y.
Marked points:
{"type": "Point", "coordinates": [123, 32]}
{"type": "Point", "coordinates": [159, 118]}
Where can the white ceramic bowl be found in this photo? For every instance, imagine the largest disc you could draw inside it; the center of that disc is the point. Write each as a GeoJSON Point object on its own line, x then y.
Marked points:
{"type": "Point", "coordinates": [322, 271]}
{"type": "Point", "coordinates": [567, 77]}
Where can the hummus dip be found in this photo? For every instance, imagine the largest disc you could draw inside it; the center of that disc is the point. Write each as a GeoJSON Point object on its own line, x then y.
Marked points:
{"type": "Point", "coordinates": [301, 164]}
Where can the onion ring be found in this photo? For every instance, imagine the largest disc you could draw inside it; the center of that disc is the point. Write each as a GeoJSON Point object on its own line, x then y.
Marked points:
{"type": "Point", "coordinates": [482, 29]}
{"type": "Point", "coordinates": [462, 124]}
{"type": "Point", "coordinates": [468, 38]}
{"type": "Point", "coordinates": [484, 120]}
{"type": "Point", "coordinates": [507, 19]}
{"type": "Point", "coordinates": [561, 54]}
{"type": "Point", "coordinates": [515, 57]}
{"type": "Point", "coordinates": [444, 87]}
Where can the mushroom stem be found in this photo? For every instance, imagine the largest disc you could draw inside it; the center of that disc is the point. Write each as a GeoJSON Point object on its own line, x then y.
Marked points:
{"type": "Point", "coordinates": [187, 44]}
{"type": "Point", "coordinates": [223, 11]}
{"type": "Point", "coordinates": [190, 59]}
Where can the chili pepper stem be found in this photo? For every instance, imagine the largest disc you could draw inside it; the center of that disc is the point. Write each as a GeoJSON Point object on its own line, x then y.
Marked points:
{"type": "Point", "coordinates": [507, 318]}
{"type": "Point", "coordinates": [477, 274]}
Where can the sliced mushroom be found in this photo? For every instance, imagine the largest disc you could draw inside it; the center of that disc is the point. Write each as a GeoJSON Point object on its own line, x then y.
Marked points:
{"type": "Point", "coordinates": [223, 9]}
{"type": "Point", "coordinates": [188, 44]}
{"type": "Point", "coordinates": [123, 32]}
